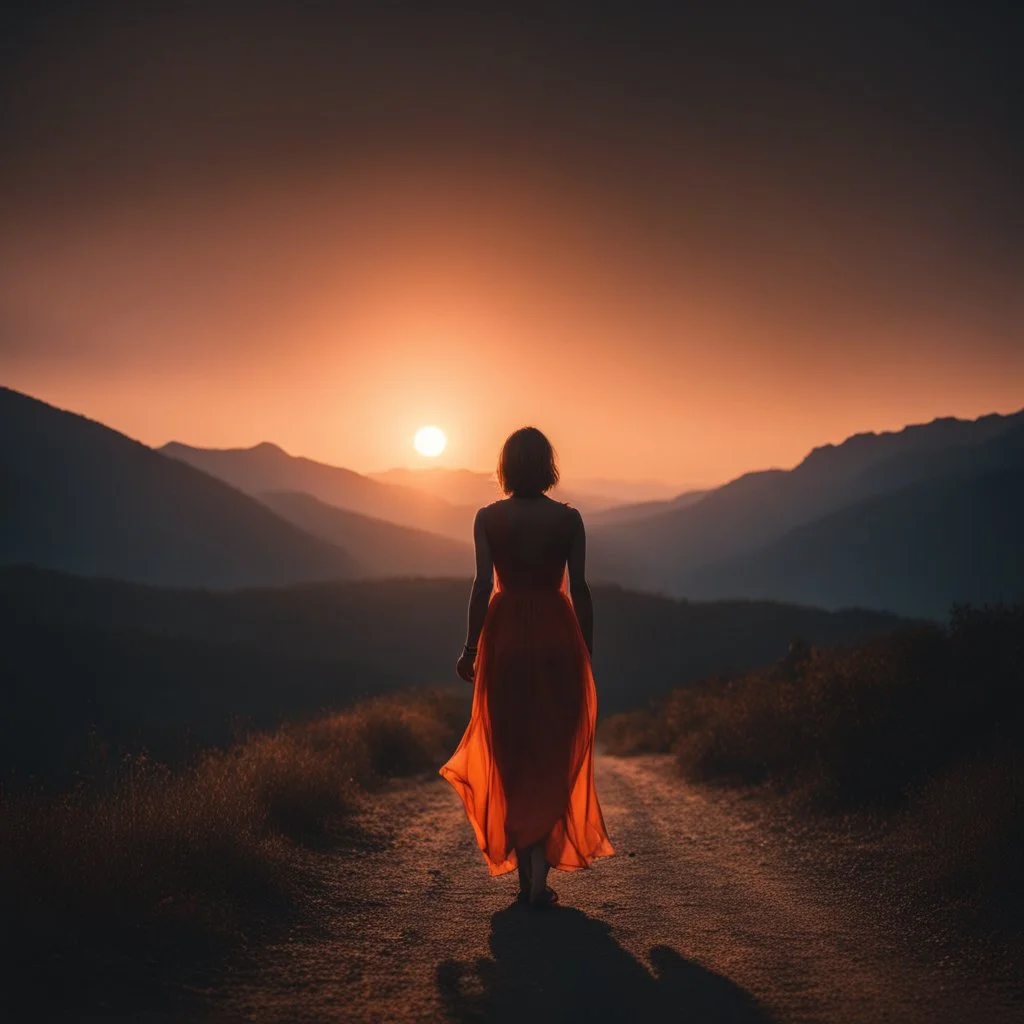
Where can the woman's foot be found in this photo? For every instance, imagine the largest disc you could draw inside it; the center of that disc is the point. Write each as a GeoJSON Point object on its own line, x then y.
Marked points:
{"type": "Point", "coordinates": [547, 898]}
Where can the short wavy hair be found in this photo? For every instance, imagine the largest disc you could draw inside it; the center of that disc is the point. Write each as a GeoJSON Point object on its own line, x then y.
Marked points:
{"type": "Point", "coordinates": [527, 466]}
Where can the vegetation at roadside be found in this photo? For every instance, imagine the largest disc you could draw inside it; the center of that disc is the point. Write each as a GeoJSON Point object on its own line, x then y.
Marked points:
{"type": "Point", "coordinates": [926, 720]}
{"type": "Point", "coordinates": [147, 856]}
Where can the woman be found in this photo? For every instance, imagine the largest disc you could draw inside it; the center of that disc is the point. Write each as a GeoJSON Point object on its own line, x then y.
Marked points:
{"type": "Point", "coordinates": [524, 768]}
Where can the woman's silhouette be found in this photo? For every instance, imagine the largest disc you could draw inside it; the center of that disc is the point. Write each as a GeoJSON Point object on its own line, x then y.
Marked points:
{"type": "Point", "coordinates": [524, 768]}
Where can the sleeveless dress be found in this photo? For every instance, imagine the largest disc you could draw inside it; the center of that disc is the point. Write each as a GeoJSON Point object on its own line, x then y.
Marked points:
{"type": "Point", "coordinates": [524, 768]}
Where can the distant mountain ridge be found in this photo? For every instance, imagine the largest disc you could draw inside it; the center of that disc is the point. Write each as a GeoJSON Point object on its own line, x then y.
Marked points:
{"type": "Point", "coordinates": [457, 486]}
{"type": "Point", "coordinates": [267, 469]}
{"type": "Point", "coordinates": [470, 488]}
{"type": "Point", "coordinates": [434, 498]}
{"type": "Point", "coordinates": [861, 451]}
{"type": "Point", "coordinates": [909, 521]}
{"type": "Point", "coordinates": [642, 510]}
{"type": "Point", "coordinates": [917, 550]}
{"type": "Point", "coordinates": [380, 548]}
{"type": "Point", "coordinates": [83, 498]}
{"type": "Point", "coordinates": [696, 551]}
{"type": "Point", "coordinates": [953, 532]}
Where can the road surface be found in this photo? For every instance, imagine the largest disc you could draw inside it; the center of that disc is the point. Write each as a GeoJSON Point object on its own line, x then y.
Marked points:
{"type": "Point", "coordinates": [709, 912]}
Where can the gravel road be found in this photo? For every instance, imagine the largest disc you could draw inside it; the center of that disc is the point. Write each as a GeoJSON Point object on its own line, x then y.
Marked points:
{"type": "Point", "coordinates": [711, 911]}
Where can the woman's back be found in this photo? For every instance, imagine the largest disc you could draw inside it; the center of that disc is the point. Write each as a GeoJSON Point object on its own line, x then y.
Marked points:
{"type": "Point", "coordinates": [531, 540]}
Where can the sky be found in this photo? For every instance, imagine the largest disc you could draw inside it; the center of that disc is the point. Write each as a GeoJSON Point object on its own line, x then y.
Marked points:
{"type": "Point", "coordinates": [685, 242]}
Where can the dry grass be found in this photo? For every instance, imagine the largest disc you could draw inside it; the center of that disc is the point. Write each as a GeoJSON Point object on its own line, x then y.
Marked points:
{"type": "Point", "coordinates": [848, 726]}
{"type": "Point", "coordinates": [968, 823]}
{"type": "Point", "coordinates": [207, 846]}
{"type": "Point", "coordinates": [635, 732]}
{"type": "Point", "coordinates": [928, 722]}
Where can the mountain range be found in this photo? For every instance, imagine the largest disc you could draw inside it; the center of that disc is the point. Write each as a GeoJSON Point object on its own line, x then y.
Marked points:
{"type": "Point", "coordinates": [909, 521]}
{"type": "Point", "coordinates": [266, 468]}
{"type": "Point", "coordinates": [921, 548]}
{"type": "Point", "coordinates": [378, 547]}
{"type": "Point", "coordinates": [912, 521]}
{"type": "Point", "coordinates": [637, 512]}
{"type": "Point", "coordinates": [81, 497]}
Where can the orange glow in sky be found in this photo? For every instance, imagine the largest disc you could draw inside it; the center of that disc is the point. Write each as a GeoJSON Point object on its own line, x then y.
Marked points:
{"type": "Point", "coordinates": [336, 322]}
{"type": "Point", "coordinates": [330, 225]}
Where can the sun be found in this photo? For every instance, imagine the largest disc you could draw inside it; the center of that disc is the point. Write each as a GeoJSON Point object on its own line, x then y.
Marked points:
{"type": "Point", "coordinates": [430, 441]}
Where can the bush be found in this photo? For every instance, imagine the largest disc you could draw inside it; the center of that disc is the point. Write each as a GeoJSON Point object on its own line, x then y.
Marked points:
{"type": "Point", "coordinates": [849, 726]}
{"type": "Point", "coordinates": [926, 721]}
{"type": "Point", "coordinates": [635, 732]}
{"type": "Point", "coordinates": [147, 846]}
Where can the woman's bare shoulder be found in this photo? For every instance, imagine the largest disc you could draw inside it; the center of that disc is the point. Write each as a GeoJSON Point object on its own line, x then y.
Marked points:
{"type": "Point", "coordinates": [486, 511]}
{"type": "Point", "coordinates": [571, 512]}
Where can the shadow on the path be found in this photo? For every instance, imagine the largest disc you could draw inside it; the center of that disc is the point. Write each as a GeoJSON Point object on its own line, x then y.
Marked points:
{"type": "Point", "coordinates": [561, 964]}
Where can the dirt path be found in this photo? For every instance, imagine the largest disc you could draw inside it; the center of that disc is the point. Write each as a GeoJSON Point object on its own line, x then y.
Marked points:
{"type": "Point", "coordinates": [703, 916]}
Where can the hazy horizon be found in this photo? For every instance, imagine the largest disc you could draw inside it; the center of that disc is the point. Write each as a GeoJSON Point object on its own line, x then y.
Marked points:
{"type": "Point", "coordinates": [442, 462]}
{"type": "Point", "coordinates": [655, 488]}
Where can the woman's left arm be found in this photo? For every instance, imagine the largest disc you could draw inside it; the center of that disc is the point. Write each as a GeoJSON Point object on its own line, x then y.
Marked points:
{"type": "Point", "coordinates": [479, 598]}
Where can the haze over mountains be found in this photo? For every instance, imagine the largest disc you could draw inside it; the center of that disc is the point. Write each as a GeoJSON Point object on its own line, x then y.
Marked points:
{"type": "Point", "coordinates": [909, 521]}
{"type": "Point", "coordinates": [379, 548]}
{"type": "Point", "coordinates": [919, 549]}
{"type": "Point", "coordinates": [83, 498]}
{"type": "Point", "coordinates": [436, 499]}
{"type": "Point", "coordinates": [267, 468]}
{"type": "Point", "coordinates": [640, 511]}
{"type": "Point", "coordinates": [466, 487]}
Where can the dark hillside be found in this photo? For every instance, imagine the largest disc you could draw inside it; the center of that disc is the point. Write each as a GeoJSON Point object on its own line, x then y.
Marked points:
{"type": "Point", "coordinates": [150, 665]}
{"type": "Point", "coordinates": [914, 551]}
{"type": "Point", "coordinates": [664, 551]}
{"type": "Point", "coordinates": [380, 548]}
{"type": "Point", "coordinates": [639, 511]}
{"type": "Point", "coordinates": [82, 498]}
{"type": "Point", "coordinates": [72, 691]}
{"type": "Point", "coordinates": [266, 468]}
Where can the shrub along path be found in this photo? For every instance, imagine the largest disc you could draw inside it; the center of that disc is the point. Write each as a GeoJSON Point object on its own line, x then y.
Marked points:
{"type": "Point", "coordinates": [716, 908]}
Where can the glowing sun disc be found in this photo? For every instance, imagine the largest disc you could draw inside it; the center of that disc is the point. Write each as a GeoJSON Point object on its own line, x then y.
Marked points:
{"type": "Point", "coordinates": [430, 441]}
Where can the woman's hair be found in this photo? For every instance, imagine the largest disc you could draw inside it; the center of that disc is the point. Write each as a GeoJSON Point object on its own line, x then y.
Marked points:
{"type": "Point", "coordinates": [527, 466]}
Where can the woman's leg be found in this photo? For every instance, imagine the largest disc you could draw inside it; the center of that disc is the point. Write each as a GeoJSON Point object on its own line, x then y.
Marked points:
{"type": "Point", "coordinates": [538, 873]}
{"type": "Point", "coordinates": [523, 865]}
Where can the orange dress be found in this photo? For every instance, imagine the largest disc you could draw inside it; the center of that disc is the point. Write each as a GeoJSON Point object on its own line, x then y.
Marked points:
{"type": "Point", "coordinates": [524, 768]}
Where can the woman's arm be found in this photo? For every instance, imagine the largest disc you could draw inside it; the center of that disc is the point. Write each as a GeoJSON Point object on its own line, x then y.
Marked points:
{"type": "Point", "coordinates": [578, 587]}
{"type": "Point", "coordinates": [479, 597]}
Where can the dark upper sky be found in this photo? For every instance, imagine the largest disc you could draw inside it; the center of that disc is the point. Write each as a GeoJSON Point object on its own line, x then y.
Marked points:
{"type": "Point", "coordinates": [755, 197]}
{"type": "Point", "coordinates": [129, 93]}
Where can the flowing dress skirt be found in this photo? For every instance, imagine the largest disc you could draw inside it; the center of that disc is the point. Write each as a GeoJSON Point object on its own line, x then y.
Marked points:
{"type": "Point", "coordinates": [525, 766]}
